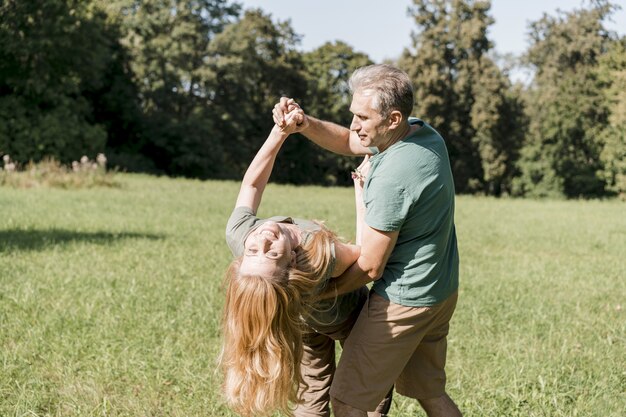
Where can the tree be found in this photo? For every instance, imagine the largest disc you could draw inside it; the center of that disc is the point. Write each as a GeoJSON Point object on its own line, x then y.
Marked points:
{"type": "Point", "coordinates": [612, 72]}
{"type": "Point", "coordinates": [327, 69]}
{"type": "Point", "coordinates": [254, 62]}
{"type": "Point", "coordinates": [566, 105]}
{"type": "Point", "coordinates": [51, 52]}
{"type": "Point", "coordinates": [463, 94]}
{"type": "Point", "coordinates": [499, 123]}
{"type": "Point", "coordinates": [168, 44]}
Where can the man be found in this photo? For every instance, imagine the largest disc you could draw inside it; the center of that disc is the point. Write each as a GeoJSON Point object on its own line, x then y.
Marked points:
{"type": "Point", "coordinates": [409, 248]}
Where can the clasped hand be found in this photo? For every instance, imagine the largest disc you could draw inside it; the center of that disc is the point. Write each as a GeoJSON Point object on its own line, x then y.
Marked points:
{"type": "Point", "coordinates": [283, 109]}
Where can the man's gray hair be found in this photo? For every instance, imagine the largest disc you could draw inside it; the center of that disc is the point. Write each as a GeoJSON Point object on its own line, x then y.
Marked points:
{"type": "Point", "coordinates": [393, 87]}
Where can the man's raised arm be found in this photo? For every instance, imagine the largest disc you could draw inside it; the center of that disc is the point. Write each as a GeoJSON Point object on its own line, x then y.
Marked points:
{"type": "Point", "coordinates": [328, 135]}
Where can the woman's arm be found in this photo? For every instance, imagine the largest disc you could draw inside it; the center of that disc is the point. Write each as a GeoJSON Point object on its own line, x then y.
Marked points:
{"type": "Point", "coordinates": [258, 173]}
{"type": "Point", "coordinates": [358, 176]}
{"type": "Point", "coordinates": [345, 255]}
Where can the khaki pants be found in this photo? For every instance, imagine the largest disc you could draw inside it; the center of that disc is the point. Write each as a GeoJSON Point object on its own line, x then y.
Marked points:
{"type": "Point", "coordinates": [394, 344]}
{"type": "Point", "coordinates": [318, 368]}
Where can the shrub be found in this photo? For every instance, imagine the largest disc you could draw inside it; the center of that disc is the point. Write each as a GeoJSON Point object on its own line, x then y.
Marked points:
{"type": "Point", "coordinates": [49, 172]}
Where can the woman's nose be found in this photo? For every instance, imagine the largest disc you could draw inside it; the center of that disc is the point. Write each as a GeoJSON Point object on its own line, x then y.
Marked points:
{"type": "Point", "coordinates": [263, 242]}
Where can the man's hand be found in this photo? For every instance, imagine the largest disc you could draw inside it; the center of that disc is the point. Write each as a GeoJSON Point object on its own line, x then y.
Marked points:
{"type": "Point", "coordinates": [283, 108]}
{"type": "Point", "coordinates": [292, 120]}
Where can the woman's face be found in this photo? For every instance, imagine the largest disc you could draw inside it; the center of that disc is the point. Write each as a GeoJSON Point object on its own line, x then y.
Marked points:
{"type": "Point", "coordinates": [266, 249]}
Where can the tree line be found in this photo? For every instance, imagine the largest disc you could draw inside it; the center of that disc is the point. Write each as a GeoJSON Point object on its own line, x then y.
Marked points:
{"type": "Point", "coordinates": [186, 88]}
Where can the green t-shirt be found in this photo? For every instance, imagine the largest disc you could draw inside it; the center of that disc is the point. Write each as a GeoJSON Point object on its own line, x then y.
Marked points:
{"type": "Point", "coordinates": [410, 189]}
{"type": "Point", "coordinates": [326, 314]}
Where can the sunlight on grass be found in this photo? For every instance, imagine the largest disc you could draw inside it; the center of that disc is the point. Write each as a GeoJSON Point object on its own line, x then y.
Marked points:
{"type": "Point", "coordinates": [110, 300]}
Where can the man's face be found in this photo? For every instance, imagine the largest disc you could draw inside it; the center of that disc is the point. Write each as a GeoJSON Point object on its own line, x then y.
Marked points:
{"type": "Point", "coordinates": [367, 122]}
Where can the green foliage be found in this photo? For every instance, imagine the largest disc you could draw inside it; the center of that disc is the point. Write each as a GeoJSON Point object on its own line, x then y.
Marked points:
{"type": "Point", "coordinates": [42, 109]}
{"type": "Point", "coordinates": [168, 48]}
{"type": "Point", "coordinates": [566, 105]}
{"type": "Point", "coordinates": [186, 88]}
{"type": "Point", "coordinates": [327, 70]}
{"type": "Point", "coordinates": [111, 299]}
{"type": "Point", "coordinates": [497, 115]}
{"type": "Point", "coordinates": [461, 92]}
{"type": "Point", "coordinates": [612, 72]}
{"type": "Point", "coordinates": [254, 62]}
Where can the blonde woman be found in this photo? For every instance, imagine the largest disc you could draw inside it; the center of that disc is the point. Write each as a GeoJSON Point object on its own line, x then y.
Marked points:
{"type": "Point", "coordinates": [279, 341]}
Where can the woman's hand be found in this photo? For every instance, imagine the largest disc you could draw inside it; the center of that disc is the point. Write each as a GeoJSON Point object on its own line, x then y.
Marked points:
{"type": "Point", "coordinates": [283, 108]}
{"type": "Point", "coordinates": [359, 175]}
{"type": "Point", "coordinates": [292, 121]}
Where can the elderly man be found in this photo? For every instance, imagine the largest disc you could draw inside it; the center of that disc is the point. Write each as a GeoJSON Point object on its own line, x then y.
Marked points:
{"type": "Point", "coordinates": [409, 248]}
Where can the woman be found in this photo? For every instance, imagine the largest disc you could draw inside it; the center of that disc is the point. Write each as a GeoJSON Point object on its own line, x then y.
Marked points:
{"type": "Point", "coordinates": [278, 339]}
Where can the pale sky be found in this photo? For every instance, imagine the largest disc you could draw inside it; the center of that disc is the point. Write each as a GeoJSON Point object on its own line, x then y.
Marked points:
{"type": "Point", "coordinates": [381, 28]}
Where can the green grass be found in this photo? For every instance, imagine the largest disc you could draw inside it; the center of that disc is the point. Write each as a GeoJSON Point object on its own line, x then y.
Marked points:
{"type": "Point", "coordinates": [110, 300]}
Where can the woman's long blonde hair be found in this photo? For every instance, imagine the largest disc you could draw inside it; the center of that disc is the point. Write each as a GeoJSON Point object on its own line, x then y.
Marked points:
{"type": "Point", "coordinates": [262, 329]}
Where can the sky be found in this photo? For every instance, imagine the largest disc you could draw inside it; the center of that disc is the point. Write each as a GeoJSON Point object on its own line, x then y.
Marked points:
{"type": "Point", "coordinates": [382, 29]}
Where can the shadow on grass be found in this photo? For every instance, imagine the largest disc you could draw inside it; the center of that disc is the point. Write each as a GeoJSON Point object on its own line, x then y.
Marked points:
{"type": "Point", "coordinates": [17, 239]}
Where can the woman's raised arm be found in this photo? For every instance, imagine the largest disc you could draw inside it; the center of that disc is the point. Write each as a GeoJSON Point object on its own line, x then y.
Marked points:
{"type": "Point", "coordinates": [258, 173]}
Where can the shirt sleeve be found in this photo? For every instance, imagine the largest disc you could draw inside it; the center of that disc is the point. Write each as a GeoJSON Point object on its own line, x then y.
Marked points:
{"type": "Point", "coordinates": [241, 221]}
{"type": "Point", "coordinates": [332, 262]}
{"type": "Point", "coordinates": [386, 205]}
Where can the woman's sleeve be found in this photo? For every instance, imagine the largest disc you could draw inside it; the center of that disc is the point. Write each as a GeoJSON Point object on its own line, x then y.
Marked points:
{"type": "Point", "coordinates": [241, 221]}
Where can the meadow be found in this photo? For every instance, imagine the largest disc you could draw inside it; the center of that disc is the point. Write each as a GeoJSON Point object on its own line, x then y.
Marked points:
{"type": "Point", "coordinates": [111, 299]}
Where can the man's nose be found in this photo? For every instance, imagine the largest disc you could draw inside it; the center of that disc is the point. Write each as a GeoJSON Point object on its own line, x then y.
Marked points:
{"type": "Point", "coordinates": [355, 126]}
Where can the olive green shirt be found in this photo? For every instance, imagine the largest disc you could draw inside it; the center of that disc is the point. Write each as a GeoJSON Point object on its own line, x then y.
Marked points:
{"type": "Point", "coordinates": [410, 190]}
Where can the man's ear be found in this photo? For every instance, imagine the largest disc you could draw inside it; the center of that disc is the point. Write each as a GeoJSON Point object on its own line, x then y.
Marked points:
{"type": "Point", "coordinates": [293, 258]}
{"type": "Point", "coordinates": [394, 119]}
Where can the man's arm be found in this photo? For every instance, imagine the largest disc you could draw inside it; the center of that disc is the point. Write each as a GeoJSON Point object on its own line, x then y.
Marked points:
{"type": "Point", "coordinates": [375, 251]}
{"type": "Point", "coordinates": [334, 138]}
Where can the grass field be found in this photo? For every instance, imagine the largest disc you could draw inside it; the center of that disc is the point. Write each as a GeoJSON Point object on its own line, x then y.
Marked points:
{"type": "Point", "coordinates": [110, 300]}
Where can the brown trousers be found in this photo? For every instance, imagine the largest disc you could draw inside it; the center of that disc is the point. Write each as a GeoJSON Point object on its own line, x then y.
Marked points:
{"type": "Point", "coordinates": [318, 368]}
